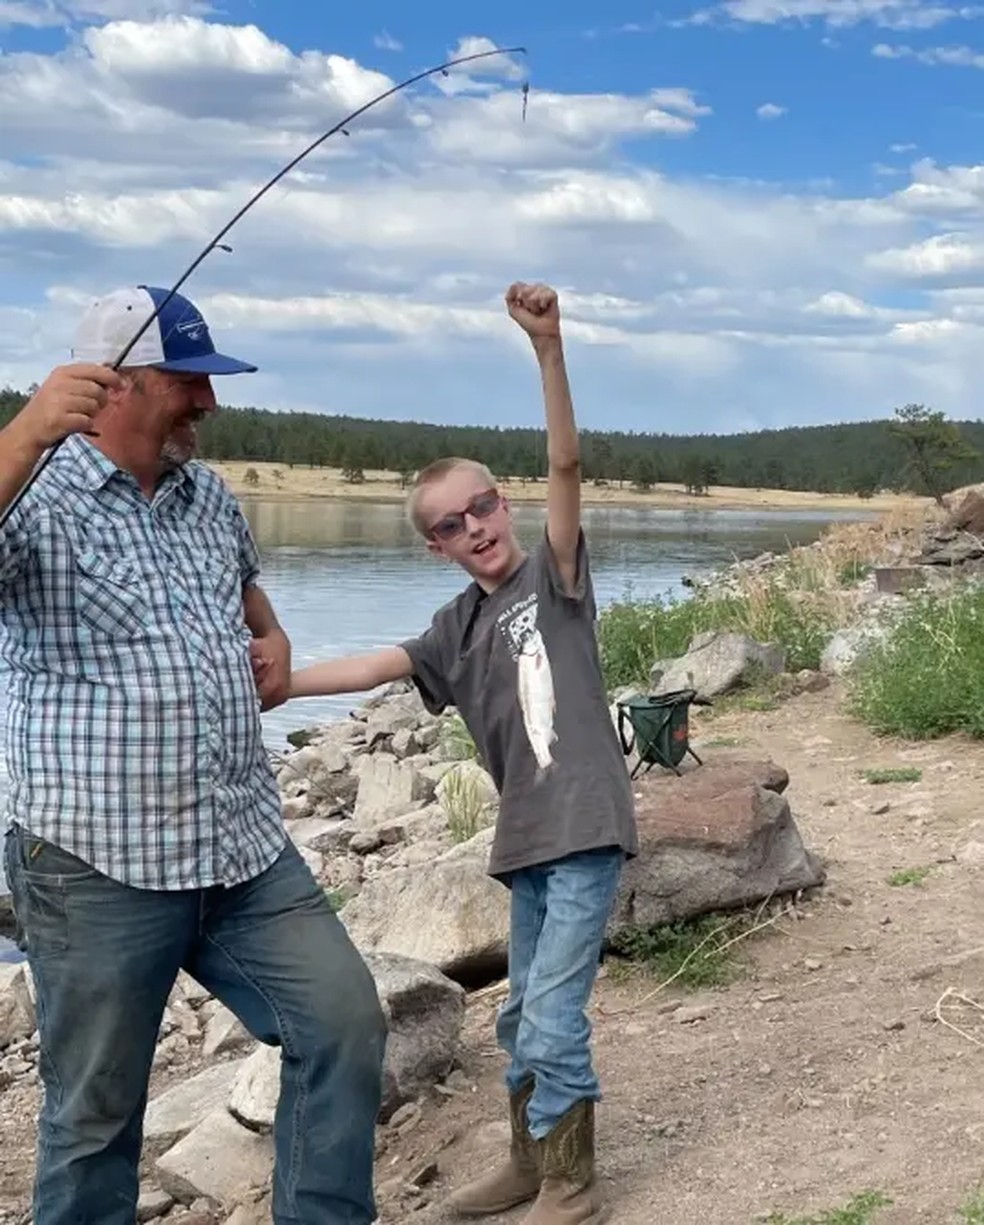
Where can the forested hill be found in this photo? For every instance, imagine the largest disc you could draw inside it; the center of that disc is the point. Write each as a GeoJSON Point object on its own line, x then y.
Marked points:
{"type": "Point", "coordinates": [855, 458]}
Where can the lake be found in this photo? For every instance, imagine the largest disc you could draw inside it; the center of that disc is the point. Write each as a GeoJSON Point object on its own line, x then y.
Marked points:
{"type": "Point", "coordinates": [351, 576]}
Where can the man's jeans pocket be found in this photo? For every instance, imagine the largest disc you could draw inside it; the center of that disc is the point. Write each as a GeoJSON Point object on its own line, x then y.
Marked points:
{"type": "Point", "coordinates": [41, 876]}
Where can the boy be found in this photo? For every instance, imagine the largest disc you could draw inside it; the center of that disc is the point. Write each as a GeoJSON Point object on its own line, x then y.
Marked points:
{"type": "Point", "coordinates": [516, 654]}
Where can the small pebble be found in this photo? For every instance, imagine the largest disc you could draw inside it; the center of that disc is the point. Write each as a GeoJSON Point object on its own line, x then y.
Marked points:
{"type": "Point", "coordinates": [688, 1016]}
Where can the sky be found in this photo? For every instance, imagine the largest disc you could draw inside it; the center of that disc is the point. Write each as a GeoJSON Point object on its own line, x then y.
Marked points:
{"type": "Point", "coordinates": [757, 213]}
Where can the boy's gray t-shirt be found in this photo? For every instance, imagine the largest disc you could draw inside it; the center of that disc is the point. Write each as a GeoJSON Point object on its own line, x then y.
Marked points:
{"type": "Point", "coordinates": [577, 795]}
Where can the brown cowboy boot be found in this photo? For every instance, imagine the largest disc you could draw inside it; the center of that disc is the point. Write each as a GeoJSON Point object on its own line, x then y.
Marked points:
{"type": "Point", "coordinates": [514, 1181]}
{"type": "Point", "coordinates": [569, 1194]}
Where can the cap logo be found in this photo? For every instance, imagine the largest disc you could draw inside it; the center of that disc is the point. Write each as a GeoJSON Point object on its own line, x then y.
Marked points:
{"type": "Point", "coordinates": [193, 329]}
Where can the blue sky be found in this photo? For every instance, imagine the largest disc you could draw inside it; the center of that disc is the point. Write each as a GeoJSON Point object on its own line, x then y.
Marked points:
{"type": "Point", "coordinates": [757, 212]}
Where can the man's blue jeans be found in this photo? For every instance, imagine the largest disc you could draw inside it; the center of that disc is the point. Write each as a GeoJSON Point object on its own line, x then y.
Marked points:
{"type": "Point", "coordinates": [104, 959]}
{"type": "Point", "coordinates": [559, 912]}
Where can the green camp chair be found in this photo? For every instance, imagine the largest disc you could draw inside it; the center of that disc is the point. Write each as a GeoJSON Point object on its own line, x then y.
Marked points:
{"type": "Point", "coordinates": [660, 727]}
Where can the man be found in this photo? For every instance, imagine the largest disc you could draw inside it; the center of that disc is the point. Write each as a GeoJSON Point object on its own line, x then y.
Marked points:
{"type": "Point", "coordinates": [145, 830]}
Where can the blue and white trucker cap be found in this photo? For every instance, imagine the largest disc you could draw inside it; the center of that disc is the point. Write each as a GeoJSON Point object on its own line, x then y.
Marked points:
{"type": "Point", "coordinates": [178, 339]}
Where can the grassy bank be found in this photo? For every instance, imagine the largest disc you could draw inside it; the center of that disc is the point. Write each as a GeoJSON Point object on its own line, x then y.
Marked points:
{"type": "Point", "coordinates": [923, 675]}
{"type": "Point", "coordinates": [796, 603]}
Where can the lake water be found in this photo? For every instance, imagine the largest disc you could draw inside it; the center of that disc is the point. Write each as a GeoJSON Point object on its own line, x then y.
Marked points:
{"type": "Point", "coordinates": [351, 576]}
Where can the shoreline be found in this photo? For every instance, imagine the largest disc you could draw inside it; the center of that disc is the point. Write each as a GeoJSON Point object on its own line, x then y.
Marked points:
{"type": "Point", "coordinates": [278, 483]}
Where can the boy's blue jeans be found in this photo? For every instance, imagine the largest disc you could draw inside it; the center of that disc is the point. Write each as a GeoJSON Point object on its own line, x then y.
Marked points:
{"type": "Point", "coordinates": [559, 912]}
{"type": "Point", "coordinates": [104, 958]}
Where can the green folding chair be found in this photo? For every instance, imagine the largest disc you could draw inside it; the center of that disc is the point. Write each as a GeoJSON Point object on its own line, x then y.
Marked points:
{"type": "Point", "coordinates": [658, 726]}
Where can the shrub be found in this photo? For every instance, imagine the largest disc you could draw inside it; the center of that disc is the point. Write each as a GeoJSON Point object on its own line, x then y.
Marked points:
{"type": "Point", "coordinates": [926, 678]}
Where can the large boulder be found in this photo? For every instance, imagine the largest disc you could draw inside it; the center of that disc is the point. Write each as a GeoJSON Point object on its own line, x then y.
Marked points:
{"type": "Point", "coordinates": [717, 662]}
{"type": "Point", "coordinates": [448, 912]}
{"type": "Point", "coordinates": [424, 1013]}
{"type": "Point", "coordinates": [720, 837]}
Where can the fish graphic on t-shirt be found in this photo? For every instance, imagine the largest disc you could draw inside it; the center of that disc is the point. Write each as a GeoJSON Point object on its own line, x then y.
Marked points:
{"type": "Point", "coordinates": [536, 698]}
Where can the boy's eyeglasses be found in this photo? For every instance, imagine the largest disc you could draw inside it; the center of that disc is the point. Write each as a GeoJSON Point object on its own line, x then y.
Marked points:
{"type": "Point", "coordinates": [480, 507]}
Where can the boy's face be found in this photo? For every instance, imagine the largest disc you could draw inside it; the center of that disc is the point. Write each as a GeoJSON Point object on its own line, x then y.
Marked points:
{"type": "Point", "coordinates": [469, 522]}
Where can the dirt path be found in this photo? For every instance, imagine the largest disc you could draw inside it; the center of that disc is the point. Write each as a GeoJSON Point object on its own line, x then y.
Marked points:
{"type": "Point", "coordinates": [822, 1071]}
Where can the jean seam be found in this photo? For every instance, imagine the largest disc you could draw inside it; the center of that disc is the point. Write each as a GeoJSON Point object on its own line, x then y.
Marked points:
{"type": "Point", "coordinates": [46, 1060]}
{"type": "Point", "coordinates": [287, 1044]}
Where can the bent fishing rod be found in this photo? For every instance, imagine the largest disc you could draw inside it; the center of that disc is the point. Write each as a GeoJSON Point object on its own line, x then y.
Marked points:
{"type": "Point", "coordinates": [342, 126]}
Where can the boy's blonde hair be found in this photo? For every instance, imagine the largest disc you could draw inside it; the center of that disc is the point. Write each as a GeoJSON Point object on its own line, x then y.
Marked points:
{"type": "Point", "coordinates": [434, 472]}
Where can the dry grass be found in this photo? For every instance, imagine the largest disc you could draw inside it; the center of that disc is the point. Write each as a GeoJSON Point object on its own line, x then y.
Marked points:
{"type": "Point", "coordinates": [279, 482]}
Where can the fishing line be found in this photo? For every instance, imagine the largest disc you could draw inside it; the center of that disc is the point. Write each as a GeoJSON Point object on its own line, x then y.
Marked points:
{"type": "Point", "coordinates": [341, 126]}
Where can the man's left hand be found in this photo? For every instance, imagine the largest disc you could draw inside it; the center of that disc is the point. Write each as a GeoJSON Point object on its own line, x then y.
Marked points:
{"type": "Point", "coordinates": [271, 668]}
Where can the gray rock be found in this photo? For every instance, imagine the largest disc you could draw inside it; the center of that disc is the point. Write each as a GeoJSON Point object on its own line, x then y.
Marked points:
{"type": "Point", "coordinates": [17, 1015]}
{"type": "Point", "coordinates": [323, 834]}
{"type": "Point", "coordinates": [386, 788]}
{"type": "Point", "coordinates": [297, 807]}
{"type": "Point", "coordinates": [220, 1160]}
{"type": "Point", "coordinates": [427, 824]}
{"type": "Point", "coordinates": [424, 1013]}
{"type": "Point", "coordinates": [182, 1108]}
{"type": "Point", "coordinates": [717, 662]}
{"type": "Point", "coordinates": [396, 714]}
{"type": "Point", "coordinates": [847, 646]}
{"type": "Point", "coordinates": [224, 1032]}
{"type": "Point", "coordinates": [153, 1203]}
{"type": "Point", "coordinates": [320, 773]}
{"type": "Point", "coordinates": [448, 912]}
{"type": "Point", "coordinates": [253, 1101]}
{"type": "Point", "coordinates": [403, 743]}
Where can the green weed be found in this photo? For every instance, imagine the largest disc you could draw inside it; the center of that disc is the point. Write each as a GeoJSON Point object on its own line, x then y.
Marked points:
{"type": "Point", "coordinates": [337, 897]}
{"type": "Point", "coordinates": [971, 1212]}
{"type": "Point", "coordinates": [465, 804]}
{"type": "Point", "coordinates": [896, 774]}
{"type": "Point", "coordinates": [909, 876]}
{"type": "Point", "coordinates": [456, 743]}
{"type": "Point", "coordinates": [691, 952]}
{"type": "Point", "coordinates": [859, 1210]}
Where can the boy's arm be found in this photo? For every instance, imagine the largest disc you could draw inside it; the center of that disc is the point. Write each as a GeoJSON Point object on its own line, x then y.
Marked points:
{"type": "Point", "coordinates": [535, 309]}
{"type": "Point", "coordinates": [351, 674]}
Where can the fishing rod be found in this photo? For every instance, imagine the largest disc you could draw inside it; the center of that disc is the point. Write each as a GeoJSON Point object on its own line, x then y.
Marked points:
{"type": "Point", "coordinates": [341, 126]}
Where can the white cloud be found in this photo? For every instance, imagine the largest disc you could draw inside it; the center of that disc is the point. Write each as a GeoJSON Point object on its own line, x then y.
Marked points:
{"type": "Point", "coordinates": [386, 42]}
{"type": "Point", "coordinates": [769, 110]}
{"type": "Point", "coordinates": [890, 14]}
{"type": "Point", "coordinates": [41, 13]}
{"type": "Point", "coordinates": [942, 256]}
{"type": "Point", "coordinates": [371, 281]}
{"type": "Point", "coordinates": [951, 57]}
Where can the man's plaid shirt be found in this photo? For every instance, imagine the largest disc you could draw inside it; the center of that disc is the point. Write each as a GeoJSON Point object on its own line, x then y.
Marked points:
{"type": "Point", "coordinates": [134, 738]}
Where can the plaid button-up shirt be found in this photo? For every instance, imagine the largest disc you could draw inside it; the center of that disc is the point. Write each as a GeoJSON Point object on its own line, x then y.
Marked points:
{"type": "Point", "coordinates": [133, 732]}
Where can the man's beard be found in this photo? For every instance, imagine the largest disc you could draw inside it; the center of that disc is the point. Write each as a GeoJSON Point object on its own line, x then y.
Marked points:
{"type": "Point", "coordinates": [174, 454]}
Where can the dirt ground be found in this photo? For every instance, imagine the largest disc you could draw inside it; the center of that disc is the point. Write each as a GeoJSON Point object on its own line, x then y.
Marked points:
{"type": "Point", "coordinates": [821, 1072]}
